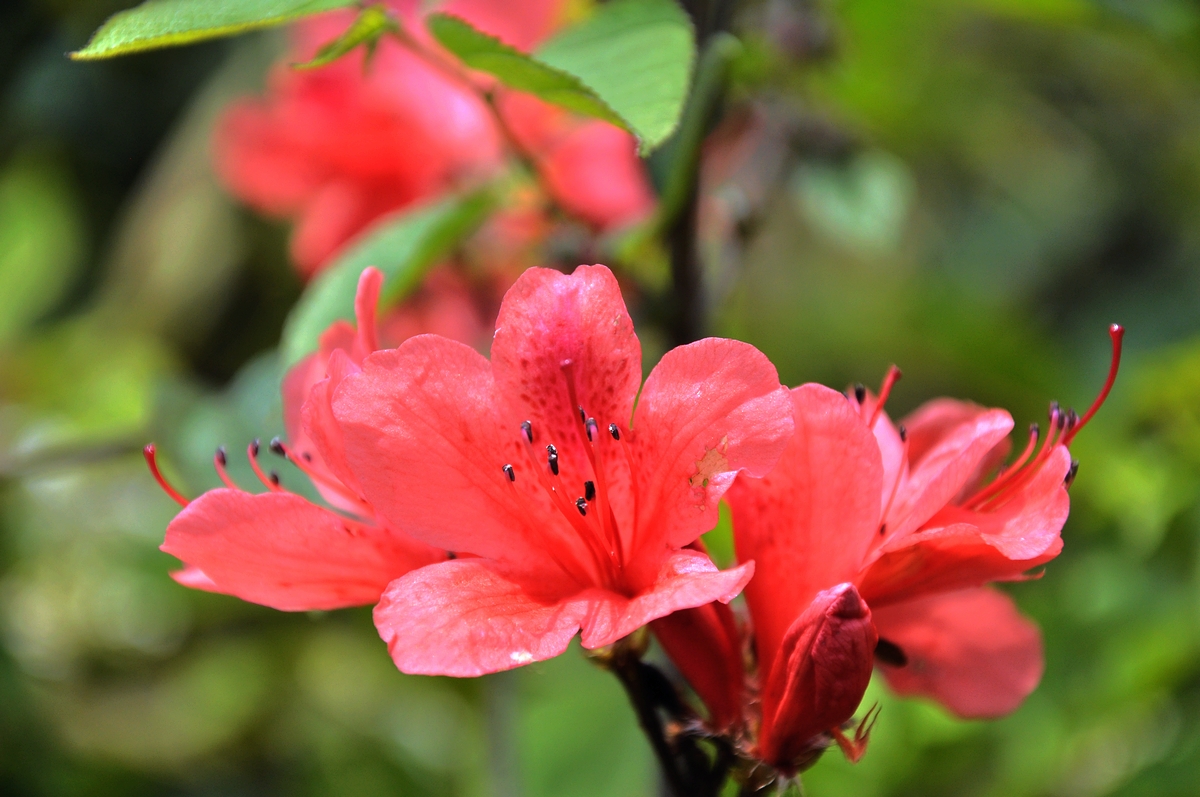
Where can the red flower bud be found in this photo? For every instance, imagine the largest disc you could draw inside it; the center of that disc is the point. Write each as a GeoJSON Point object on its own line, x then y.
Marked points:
{"type": "Point", "coordinates": [818, 679]}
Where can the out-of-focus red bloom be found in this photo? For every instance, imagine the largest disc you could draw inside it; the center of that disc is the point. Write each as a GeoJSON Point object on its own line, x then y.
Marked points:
{"type": "Point", "coordinates": [590, 167]}
{"type": "Point", "coordinates": [277, 548]}
{"type": "Point", "coordinates": [574, 508]}
{"type": "Point", "coordinates": [873, 543]}
{"type": "Point", "coordinates": [338, 147]}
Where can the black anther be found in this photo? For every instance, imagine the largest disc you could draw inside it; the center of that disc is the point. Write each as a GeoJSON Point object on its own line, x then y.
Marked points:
{"type": "Point", "coordinates": [1035, 430]}
{"type": "Point", "coordinates": [589, 490]}
{"type": "Point", "coordinates": [277, 447]}
{"type": "Point", "coordinates": [614, 431]}
{"type": "Point", "coordinates": [890, 653]}
{"type": "Point", "coordinates": [221, 456]}
{"type": "Point", "coordinates": [254, 448]}
{"type": "Point", "coordinates": [581, 505]}
{"type": "Point", "coordinates": [552, 458]}
{"type": "Point", "coordinates": [860, 393]}
{"type": "Point", "coordinates": [1071, 473]}
{"type": "Point", "coordinates": [274, 476]}
{"type": "Point", "coordinates": [590, 426]}
{"type": "Point", "coordinates": [527, 430]}
{"type": "Point", "coordinates": [582, 414]}
{"type": "Point", "coordinates": [903, 433]}
{"type": "Point", "coordinates": [451, 555]}
{"type": "Point", "coordinates": [510, 473]}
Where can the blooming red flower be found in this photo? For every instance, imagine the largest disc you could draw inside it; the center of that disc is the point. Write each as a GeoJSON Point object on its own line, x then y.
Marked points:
{"type": "Point", "coordinates": [277, 548]}
{"type": "Point", "coordinates": [574, 508]}
{"type": "Point", "coordinates": [873, 543]}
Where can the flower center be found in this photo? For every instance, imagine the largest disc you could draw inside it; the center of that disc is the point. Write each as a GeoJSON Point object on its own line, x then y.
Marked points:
{"type": "Point", "coordinates": [589, 547]}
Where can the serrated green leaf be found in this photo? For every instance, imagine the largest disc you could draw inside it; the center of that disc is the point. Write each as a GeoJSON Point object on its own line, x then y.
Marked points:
{"type": "Point", "coordinates": [637, 56]}
{"type": "Point", "coordinates": [166, 23]}
{"type": "Point", "coordinates": [628, 64]}
{"type": "Point", "coordinates": [402, 246]}
{"type": "Point", "coordinates": [366, 29]}
{"type": "Point", "coordinates": [486, 53]}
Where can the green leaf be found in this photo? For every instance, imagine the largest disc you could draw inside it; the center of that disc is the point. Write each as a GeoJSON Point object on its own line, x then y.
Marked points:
{"type": "Point", "coordinates": [166, 23]}
{"type": "Point", "coordinates": [637, 56]}
{"type": "Point", "coordinates": [402, 246]}
{"type": "Point", "coordinates": [366, 29]}
{"type": "Point", "coordinates": [486, 53]}
{"type": "Point", "coordinates": [628, 64]}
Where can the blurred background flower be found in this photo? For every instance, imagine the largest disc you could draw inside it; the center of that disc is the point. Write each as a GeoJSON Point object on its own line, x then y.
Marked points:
{"type": "Point", "coordinates": [970, 189]}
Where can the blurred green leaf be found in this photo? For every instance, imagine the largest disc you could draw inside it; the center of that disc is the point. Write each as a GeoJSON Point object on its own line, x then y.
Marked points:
{"type": "Point", "coordinates": [628, 64]}
{"type": "Point", "coordinates": [41, 241]}
{"type": "Point", "coordinates": [371, 23]}
{"type": "Point", "coordinates": [486, 53]}
{"type": "Point", "coordinates": [402, 246]}
{"type": "Point", "coordinates": [166, 23]}
{"type": "Point", "coordinates": [78, 386]}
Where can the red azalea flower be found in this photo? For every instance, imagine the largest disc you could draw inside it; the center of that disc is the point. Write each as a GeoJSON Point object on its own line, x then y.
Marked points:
{"type": "Point", "coordinates": [574, 507]}
{"type": "Point", "coordinates": [276, 548]}
{"type": "Point", "coordinates": [873, 543]}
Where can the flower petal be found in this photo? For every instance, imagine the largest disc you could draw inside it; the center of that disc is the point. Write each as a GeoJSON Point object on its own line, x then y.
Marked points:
{"type": "Point", "coordinates": [279, 550]}
{"type": "Point", "coordinates": [687, 579]}
{"type": "Point", "coordinates": [946, 463]}
{"type": "Point", "coordinates": [941, 560]}
{"type": "Point", "coordinates": [962, 548]}
{"type": "Point", "coordinates": [195, 578]}
{"type": "Point", "coordinates": [422, 438]}
{"type": "Point", "coordinates": [469, 617]}
{"type": "Point", "coordinates": [972, 651]}
{"type": "Point", "coordinates": [808, 523]}
{"type": "Point", "coordinates": [705, 645]}
{"type": "Point", "coordinates": [565, 342]}
{"type": "Point", "coordinates": [709, 410]}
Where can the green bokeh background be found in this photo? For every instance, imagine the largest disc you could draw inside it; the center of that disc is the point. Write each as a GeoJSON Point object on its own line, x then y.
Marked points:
{"type": "Point", "coordinates": [972, 189]}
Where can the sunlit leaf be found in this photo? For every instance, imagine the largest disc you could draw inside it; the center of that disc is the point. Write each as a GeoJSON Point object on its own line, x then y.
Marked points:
{"type": "Point", "coordinates": [402, 246]}
{"type": "Point", "coordinates": [629, 64]}
{"type": "Point", "coordinates": [166, 23]}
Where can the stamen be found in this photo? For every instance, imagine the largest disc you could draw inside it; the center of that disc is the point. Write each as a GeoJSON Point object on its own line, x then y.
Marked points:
{"type": "Point", "coordinates": [274, 476]}
{"type": "Point", "coordinates": [581, 505]}
{"type": "Point", "coordinates": [219, 463]}
{"type": "Point", "coordinates": [1070, 479]}
{"type": "Point", "coordinates": [1117, 333]}
{"type": "Point", "coordinates": [589, 490]}
{"type": "Point", "coordinates": [591, 428]}
{"type": "Point", "coordinates": [252, 455]}
{"type": "Point", "coordinates": [302, 464]}
{"type": "Point", "coordinates": [527, 430]}
{"type": "Point", "coordinates": [860, 393]}
{"type": "Point", "coordinates": [903, 433]}
{"type": "Point", "coordinates": [276, 447]}
{"type": "Point", "coordinates": [510, 473]}
{"type": "Point", "coordinates": [614, 431]}
{"type": "Point", "coordinates": [150, 453]}
{"type": "Point", "coordinates": [885, 390]}
{"type": "Point", "coordinates": [582, 415]}
{"type": "Point", "coordinates": [552, 458]}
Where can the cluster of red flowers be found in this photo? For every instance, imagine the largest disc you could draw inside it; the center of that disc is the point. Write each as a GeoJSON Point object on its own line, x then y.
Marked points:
{"type": "Point", "coordinates": [337, 148]}
{"type": "Point", "coordinates": [495, 509]}
{"type": "Point", "coordinates": [492, 510]}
